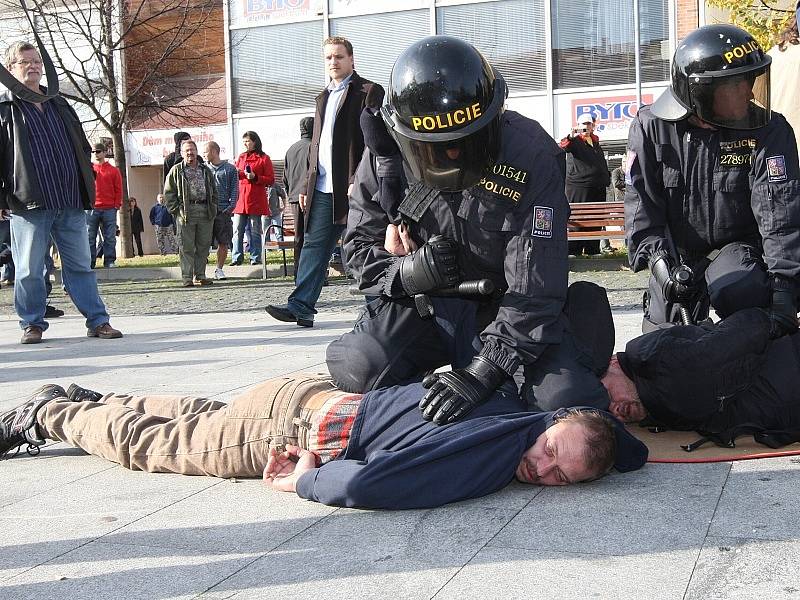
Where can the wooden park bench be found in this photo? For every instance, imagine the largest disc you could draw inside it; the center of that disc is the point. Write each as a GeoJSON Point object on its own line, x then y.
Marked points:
{"type": "Point", "coordinates": [587, 221]}
{"type": "Point", "coordinates": [288, 229]}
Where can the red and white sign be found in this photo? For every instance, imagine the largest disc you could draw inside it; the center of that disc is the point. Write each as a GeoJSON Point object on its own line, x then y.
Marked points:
{"type": "Point", "coordinates": [151, 147]}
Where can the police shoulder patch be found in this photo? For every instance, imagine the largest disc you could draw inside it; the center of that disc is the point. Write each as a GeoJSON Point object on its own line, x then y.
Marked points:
{"type": "Point", "coordinates": [542, 221]}
{"type": "Point", "coordinates": [776, 168]}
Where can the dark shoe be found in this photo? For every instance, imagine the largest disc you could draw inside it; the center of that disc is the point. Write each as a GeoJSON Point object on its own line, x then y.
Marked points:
{"type": "Point", "coordinates": [51, 312]}
{"type": "Point", "coordinates": [31, 335]}
{"type": "Point", "coordinates": [255, 262]}
{"type": "Point", "coordinates": [237, 263]}
{"type": "Point", "coordinates": [104, 331]}
{"type": "Point", "coordinates": [203, 281]}
{"type": "Point", "coordinates": [282, 313]}
{"type": "Point", "coordinates": [79, 394]}
{"type": "Point", "coordinates": [187, 284]}
{"type": "Point", "coordinates": [18, 425]}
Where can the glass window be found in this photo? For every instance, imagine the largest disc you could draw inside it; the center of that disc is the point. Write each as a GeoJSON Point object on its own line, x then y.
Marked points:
{"type": "Point", "coordinates": [277, 67]}
{"type": "Point", "coordinates": [593, 42]}
{"type": "Point", "coordinates": [378, 39]}
{"type": "Point", "coordinates": [510, 34]}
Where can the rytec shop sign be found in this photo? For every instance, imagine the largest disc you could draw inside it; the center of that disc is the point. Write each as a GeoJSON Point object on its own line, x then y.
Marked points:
{"type": "Point", "coordinates": [151, 147]}
{"type": "Point", "coordinates": [610, 114]}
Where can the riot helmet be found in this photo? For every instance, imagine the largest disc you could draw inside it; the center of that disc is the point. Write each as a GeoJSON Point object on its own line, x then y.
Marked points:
{"type": "Point", "coordinates": [444, 109]}
{"type": "Point", "coordinates": [721, 74]}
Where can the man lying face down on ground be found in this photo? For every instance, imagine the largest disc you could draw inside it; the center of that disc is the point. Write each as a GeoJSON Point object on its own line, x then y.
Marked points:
{"type": "Point", "coordinates": [721, 380]}
{"type": "Point", "coordinates": [305, 436]}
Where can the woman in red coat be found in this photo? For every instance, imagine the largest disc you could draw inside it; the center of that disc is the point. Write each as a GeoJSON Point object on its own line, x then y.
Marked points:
{"type": "Point", "coordinates": [255, 177]}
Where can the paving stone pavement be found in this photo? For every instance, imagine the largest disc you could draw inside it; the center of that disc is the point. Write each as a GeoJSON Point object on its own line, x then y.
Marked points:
{"type": "Point", "coordinates": [76, 526]}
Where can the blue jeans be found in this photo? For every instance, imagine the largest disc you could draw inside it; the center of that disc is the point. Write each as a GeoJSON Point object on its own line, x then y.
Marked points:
{"type": "Point", "coordinates": [104, 219]}
{"type": "Point", "coordinates": [239, 224]}
{"type": "Point", "coordinates": [276, 232]}
{"type": "Point", "coordinates": [320, 238]}
{"type": "Point", "coordinates": [30, 234]}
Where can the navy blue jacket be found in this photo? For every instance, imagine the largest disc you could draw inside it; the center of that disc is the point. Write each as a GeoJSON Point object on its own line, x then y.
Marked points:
{"type": "Point", "coordinates": [159, 215]}
{"type": "Point", "coordinates": [397, 460]}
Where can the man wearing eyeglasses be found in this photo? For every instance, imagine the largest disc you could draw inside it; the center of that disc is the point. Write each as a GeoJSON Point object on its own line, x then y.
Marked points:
{"type": "Point", "coordinates": [587, 173]}
{"type": "Point", "coordinates": [46, 180]}
{"type": "Point", "coordinates": [108, 200]}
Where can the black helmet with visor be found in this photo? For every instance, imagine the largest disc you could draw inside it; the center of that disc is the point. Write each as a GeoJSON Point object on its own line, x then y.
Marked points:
{"type": "Point", "coordinates": [444, 109]}
{"type": "Point", "coordinates": [721, 74]}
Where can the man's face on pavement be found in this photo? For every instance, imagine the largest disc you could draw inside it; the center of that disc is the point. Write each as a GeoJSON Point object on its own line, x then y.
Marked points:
{"type": "Point", "coordinates": [189, 152]}
{"type": "Point", "coordinates": [27, 68]}
{"type": "Point", "coordinates": [557, 457]}
{"type": "Point", "coordinates": [338, 62]}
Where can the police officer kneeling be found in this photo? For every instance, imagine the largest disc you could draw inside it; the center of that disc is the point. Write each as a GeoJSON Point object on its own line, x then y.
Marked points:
{"type": "Point", "coordinates": [474, 192]}
{"type": "Point", "coordinates": [712, 204]}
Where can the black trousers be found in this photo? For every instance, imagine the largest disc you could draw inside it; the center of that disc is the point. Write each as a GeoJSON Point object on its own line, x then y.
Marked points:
{"type": "Point", "coordinates": [736, 279]}
{"type": "Point", "coordinates": [391, 344]}
{"type": "Point", "coordinates": [137, 238]}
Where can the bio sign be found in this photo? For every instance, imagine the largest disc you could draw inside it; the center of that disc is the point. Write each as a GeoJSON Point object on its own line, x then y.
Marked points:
{"type": "Point", "coordinates": [610, 114]}
{"type": "Point", "coordinates": [267, 10]}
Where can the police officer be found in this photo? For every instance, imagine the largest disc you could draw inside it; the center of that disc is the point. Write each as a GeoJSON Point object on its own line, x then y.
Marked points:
{"type": "Point", "coordinates": [482, 198]}
{"type": "Point", "coordinates": [712, 204]}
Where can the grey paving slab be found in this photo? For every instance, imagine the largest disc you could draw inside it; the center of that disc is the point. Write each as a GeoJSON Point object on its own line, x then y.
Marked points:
{"type": "Point", "coordinates": [367, 564]}
{"type": "Point", "coordinates": [533, 574]}
{"type": "Point", "coordinates": [761, 501]}
{"type": "Point", "coordinates": [67, 517]}
{"type": "Point", "coordinates": [659, 508]}
{"type": "Point", "coordinates": [234, 516]}
{"type": "Point", "coordinates": [120, 572]}
{"type": "Point", "coordinates": [78, 527]}
{"type": "Point", "coordinates": [742, 569]}
{"type": "Point", "coordinates": [32, 476]}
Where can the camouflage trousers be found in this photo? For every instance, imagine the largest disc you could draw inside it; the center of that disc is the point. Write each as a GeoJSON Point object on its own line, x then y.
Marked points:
{"type": "Point", "coordinates": [165, 238]}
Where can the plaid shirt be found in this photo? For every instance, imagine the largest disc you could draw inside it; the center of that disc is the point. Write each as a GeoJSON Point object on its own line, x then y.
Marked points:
{"type": "Point", "coordinates": [331, 426]}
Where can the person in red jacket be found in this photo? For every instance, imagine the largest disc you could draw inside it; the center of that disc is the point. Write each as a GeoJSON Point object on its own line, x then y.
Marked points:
{"type": "Point", "coordinates": [108, 200]}
{"type": "Point", "coordinates": [255, 177]}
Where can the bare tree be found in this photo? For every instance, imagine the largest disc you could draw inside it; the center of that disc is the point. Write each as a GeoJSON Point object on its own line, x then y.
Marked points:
{"type": "Point", "coordinates": [126, 63]}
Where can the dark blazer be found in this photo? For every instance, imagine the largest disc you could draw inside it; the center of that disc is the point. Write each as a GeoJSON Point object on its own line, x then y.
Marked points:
{"type": "Point", "coordinates": [348, 141]}
{"type": "Point", "coordinates": [19, 187]}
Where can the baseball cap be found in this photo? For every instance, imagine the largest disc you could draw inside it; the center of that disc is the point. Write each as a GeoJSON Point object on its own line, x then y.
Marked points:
{"type": "Point", "coordinates": [585, 118]}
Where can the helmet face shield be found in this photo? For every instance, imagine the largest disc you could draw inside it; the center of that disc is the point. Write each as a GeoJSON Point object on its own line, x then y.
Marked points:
{"type": "Point", "coordinates": [453, 165]}
{"type": "Point", "coordinates": [444, 108]}
{"type": "Point", "coordinates": [733, 101]}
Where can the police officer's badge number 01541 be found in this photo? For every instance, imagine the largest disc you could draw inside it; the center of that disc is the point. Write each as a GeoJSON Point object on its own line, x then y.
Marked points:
{"type": "Point", "coordinates": [505, 181]}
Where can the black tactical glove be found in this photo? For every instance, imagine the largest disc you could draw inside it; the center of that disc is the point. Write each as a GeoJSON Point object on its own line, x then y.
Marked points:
{"type": "Point", "coordinates": [432, 267]}
{"type": "Point", "coordinates": [454, 393]}
{"type": "Point", "coordinates": [676, 282]}
{"type": "Point", "coordinates": [782, 313]}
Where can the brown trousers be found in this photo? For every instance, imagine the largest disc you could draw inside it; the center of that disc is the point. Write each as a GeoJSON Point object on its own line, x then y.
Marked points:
{"type": "Point", "coordinates": [192, 436]}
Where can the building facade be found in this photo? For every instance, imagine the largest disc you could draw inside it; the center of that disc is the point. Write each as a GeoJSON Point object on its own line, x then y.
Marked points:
{"type": "Point", "coordinates": [561, 58]}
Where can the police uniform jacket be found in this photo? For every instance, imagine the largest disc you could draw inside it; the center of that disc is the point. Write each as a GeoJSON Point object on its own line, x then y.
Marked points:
{"type": "Point", "coordinates": [706, 188]}
{"type": "Point", "coordinates": [19, 185]}
{"type": "Point", "coordinates": [511, 228]}
{"type": "Point", "coordinates": [396, 460]}
{"type": "Point", "coordinates": [717, 378]}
